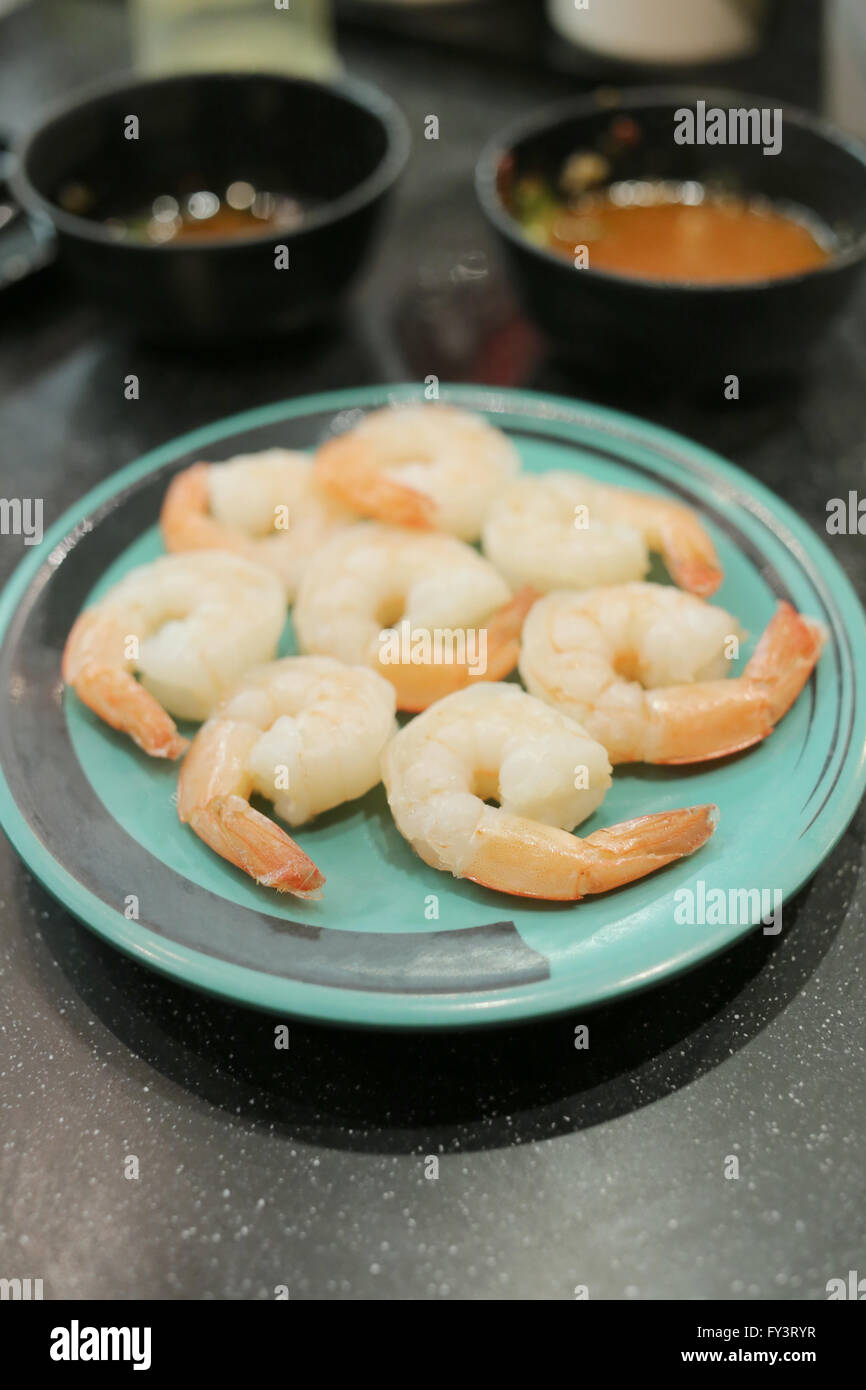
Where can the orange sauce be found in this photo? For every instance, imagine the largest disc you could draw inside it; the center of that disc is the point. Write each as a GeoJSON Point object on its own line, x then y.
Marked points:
{"type": "Point", "coordinates": [225, 222]}
{"type": "Point", "coordinates": [241, 212]}
{"type": "Point", "coordinates": [716, 241]}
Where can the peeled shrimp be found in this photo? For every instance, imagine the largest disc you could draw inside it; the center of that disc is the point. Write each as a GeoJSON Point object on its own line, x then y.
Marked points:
{"type": "Point", "coordinates": [642, 666]}
{"type": "Point", "coordinates": [305, 732]}
{"type": "Point", "coordinates": [456, 619]}
{"type": "Point", "coordinates": [547, 775]}
{"type": "Point", "coordinates": [430, 466]}
{"type": "Point", "coordinates": [266, 507]}
{"type": "Point", "coordinates": [188, 625]}
{"type": "Point", "coordinates": [562, 530]}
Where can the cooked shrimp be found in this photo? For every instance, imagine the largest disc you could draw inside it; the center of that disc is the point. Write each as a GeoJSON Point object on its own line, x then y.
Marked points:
{"type": "Point", "coordinates": [562, 530]}
{"type": "Point", "coordinates": [188, 625]}
{"type": "Point", "coordinates": [266, 507]}
{"type": "Point", "coordinates": [305, 732]}
{"type": "Point", "coordinates": [642, 666]}
{"type": "Point", "coordinates": [420, 465]}
{"type": "Point", "coordinates": [458, 620]}
{"type": "Point", "coordinates": [495, 741]}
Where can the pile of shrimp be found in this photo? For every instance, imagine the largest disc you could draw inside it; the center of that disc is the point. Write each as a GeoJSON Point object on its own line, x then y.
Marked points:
{"type": "Point", "coordinates": [371, 544]}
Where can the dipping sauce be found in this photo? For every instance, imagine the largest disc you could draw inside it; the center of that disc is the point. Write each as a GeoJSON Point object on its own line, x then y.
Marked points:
{"type": "Point", "coordinates": [674, 232]}
{"type": "Point", "coordinates": [240, 212]}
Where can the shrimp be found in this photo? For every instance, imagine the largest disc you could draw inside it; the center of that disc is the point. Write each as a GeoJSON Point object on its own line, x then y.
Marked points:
{"type": "Point", "coordinates": [429, 466]}
{"type": "Point", "coordinates": [642, 666]}
{"type": "Point", "coordinates": [307, 733]}
{"type": "Point", "coordinates": [188, 625]}
{"type": "Point", "coordinates": [459, 620]}
{"type": "Point", "coordinates": [547, 773]}
{"type": "Point", "coordinates": [266, 507]}
{"type": "Point", "coordinates": [562, 530]}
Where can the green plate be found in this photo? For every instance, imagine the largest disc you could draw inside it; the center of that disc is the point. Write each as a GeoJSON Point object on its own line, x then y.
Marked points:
{"type": "Point", "coordinates": [393, 942]}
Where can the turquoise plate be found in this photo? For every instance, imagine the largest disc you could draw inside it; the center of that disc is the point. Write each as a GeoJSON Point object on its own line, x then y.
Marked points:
{"type": "Point", "coordinates": [393, 942]}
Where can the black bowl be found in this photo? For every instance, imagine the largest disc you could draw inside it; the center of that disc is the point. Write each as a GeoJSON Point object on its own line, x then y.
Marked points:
{"type": "Point", "coordinates": [675, 330]}
{"type": "Point", "coordinates": [341, 147]}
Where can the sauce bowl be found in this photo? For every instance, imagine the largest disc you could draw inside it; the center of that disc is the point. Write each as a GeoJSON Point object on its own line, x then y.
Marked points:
{"type": "Point", "coordinates": [673, 329]}
{"type": "Point", "coordinates": [341, 146]}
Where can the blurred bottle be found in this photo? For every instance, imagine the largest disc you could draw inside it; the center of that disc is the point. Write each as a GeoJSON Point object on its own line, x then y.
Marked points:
{"type": "Point", "coordinates": [294, 36]}
{"type": "Point", "coordinates": [661, 31]}
{"type": "Point", "coordinates": [845, 64]}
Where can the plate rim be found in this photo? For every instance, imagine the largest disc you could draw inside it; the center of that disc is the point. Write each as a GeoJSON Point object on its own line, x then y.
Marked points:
{"type": "Point", "coordinates": [247, 987]}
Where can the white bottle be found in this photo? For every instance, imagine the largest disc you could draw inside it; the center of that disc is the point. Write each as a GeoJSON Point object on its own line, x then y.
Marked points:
{"type": "Point", "coordinates": [293, 36]}
{"type": "Point", "coordinates": [845, 64]}
{"type": "Point", "coordinates": [660, 31]}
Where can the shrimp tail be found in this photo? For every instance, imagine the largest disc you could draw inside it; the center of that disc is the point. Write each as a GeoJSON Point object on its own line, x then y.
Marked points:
{"type": "Point", "coordinates": [257, 845]}
{"type": "Point", "coordinates": [522, 857]}
{"type": "Point", "coordinates": [347, 468]}
{"type": "Point", "coordinates": [118, 699]}
{"type": "Point", "coordinates": [419, 684]}
{"type": "Point", "coordinates": [503, 632]}
{"type": "Point", "coordinates": [638, 847]}
{"type": "Point", "coordinates": [689, 554]}
{"type": "Point", "coordinates": [114, 694]}
{"type": "Point", "coordinates": [185, 519]}
{"type": "Point", "coordinates": [715, 719]}
{"type": "Point", "coordinates": [785, 657]}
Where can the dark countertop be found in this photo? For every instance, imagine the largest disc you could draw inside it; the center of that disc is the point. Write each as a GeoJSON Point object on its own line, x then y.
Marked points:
{"type": "Point", "coordinates": [306, 1168]}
